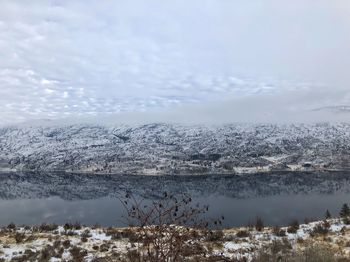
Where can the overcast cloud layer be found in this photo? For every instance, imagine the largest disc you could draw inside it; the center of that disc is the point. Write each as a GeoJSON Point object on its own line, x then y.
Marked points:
{"type": "Point", "coordinates": [66, 59]}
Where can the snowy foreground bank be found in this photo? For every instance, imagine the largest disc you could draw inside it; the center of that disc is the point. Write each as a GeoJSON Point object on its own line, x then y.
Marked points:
{"type": "Point", "coordinates": [328, 239]}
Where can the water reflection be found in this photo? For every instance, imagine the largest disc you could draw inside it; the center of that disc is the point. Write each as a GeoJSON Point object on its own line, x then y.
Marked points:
{"type": "Point", "coordinates": [33, 198]}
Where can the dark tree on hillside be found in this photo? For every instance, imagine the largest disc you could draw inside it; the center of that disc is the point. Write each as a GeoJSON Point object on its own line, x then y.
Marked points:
{"type": "Point", "coordinates": [344, 211]}
{"type": "Point", "coordinates": [328, 214]}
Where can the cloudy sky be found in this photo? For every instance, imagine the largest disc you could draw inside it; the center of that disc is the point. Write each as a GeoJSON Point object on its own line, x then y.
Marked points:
{"type": "Point", "coordinates": [228, 58]}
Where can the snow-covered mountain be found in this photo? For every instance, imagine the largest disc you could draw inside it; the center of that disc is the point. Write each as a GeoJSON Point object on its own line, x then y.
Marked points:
{"type": "Point", "coordinates": [176, 149]}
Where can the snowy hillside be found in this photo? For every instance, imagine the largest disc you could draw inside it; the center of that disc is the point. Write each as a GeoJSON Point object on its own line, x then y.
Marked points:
{"type": "Point", "coordinates": [175, 149]}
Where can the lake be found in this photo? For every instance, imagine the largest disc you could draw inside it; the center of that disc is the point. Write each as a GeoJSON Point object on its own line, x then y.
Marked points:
{"type": "Point", "coordinates": [277, 197]}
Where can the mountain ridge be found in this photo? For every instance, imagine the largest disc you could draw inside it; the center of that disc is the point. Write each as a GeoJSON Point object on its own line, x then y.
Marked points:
{"type": "Point", "coordinates": [169, 149]}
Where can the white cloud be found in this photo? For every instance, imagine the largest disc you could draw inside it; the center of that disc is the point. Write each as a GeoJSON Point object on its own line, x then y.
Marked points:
{"type": "Point", "coordinates": [65, 58]}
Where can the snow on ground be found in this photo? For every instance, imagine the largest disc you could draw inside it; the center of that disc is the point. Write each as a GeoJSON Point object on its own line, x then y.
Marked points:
{"type": "Point", "coordinates": [339, 234]}
{"type": "Point", "coordinates": [155, 149]}
{"type": "Point", "coordinates": [236, 243]}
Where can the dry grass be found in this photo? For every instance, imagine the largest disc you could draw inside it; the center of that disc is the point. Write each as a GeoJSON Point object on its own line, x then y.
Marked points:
{"type": "Point", "coordinates": [324, 241]}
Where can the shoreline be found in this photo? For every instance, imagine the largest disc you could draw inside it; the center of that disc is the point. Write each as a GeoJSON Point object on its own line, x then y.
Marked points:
{"type": "Point", "coordinates": [71, 241]}
{"type": "Point", "coordinates": [173, 175]}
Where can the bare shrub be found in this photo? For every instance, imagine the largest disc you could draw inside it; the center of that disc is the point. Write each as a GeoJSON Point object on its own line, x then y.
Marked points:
{"type": "Point", "coordinates": [279, 251]}
{"type": "Point", "coordinates": [71, 233]}
{"type": "Point", "coordinates": [11, 226]}
{"type": "Point", "coordinates": [86, 233]}
{"type": "Point", "coordinates": [259, 224]}
{"type": "Point", "coordinates": [46, 253]}
{"type": "Point", "coordinates": [278, 246]}
{"type": "Point", "coordinates": [72, 226]}
{"type": "Point", "coordinates": [28, 255]}
{"type": "Point", "coordinates": [250, 225]}
{"type": "Point", "coordinates": [167, 229]}
{"type": "Point", "coordinates": [343, 230]}
{"type": "Point", "coordinates": [66, 243]}
{"type": "Point", "coordinates": [316, 253]}
{"type": "Point", "coordinates": [293, 227]}
{"type": "Point", "coordinates": [212, 235]}
{"type": "Point", "coordinates": [104, 247]}
{"type": "Point", "coordinates": [84, 239]}
{"type": "Point", "coordinates": [19, 237]}
{"type": "Point", "coordinates": [346, 220]}
{"type": "Point", "coordinates": [78, 254]}
{"type": "Point", "coordinates": [31, 238]}
{"type": "Point", "coordinates": [277, 231]}
{"type": "Point", "coordinates": [321, 229]}
{"type": "Point", "coordinates": [57, 244]}
{"type": "Point", "coordinates": [47, 227]}
{"type": "Point", "coordinates": [77, 226]}
{"type": "Point", "coordinates": [243, 234]}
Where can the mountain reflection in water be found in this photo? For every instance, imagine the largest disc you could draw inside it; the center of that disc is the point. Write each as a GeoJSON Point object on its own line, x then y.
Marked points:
{"type": "Point", "coordinates": [278, 197]}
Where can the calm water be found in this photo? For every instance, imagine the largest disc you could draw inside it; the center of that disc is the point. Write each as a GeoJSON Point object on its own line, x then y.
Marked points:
{"type": "Point", "coordinates": [34, 198]}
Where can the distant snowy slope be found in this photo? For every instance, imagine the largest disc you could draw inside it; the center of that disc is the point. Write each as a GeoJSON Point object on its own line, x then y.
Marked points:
{"type": "Point", "coordinates": [176, 149]}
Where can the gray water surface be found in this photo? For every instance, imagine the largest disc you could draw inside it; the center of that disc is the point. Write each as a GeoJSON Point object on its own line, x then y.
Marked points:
{"type": "Point", "coordinates": [277, 197]}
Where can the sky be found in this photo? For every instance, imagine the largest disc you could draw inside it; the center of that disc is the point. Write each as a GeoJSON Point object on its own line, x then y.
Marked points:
{"type": "Point", "coordinates": [183, 60]}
